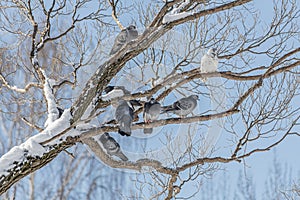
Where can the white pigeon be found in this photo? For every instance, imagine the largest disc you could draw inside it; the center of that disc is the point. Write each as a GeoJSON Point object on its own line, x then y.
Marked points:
{"type": "Point", "coordinates": [111, 146]}
{"type": "Point", "coordinates": [126, 35]}
{"type": "Point", "coordinates": [209, 62]}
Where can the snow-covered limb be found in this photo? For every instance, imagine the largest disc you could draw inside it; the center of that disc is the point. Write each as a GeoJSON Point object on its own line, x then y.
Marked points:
{"type": "Point", "coordinates": [177, 13]}
{"type": "Point", "coordinates": [34, 58]}
{"type": "Point", "coordinates": [173, 17]}
{"type": "Point", "coordinates": [52, 107]}
{"type": "Point", "coordinates": [32, 147]}
{"type": "Point", "coordinates": [181, 6]}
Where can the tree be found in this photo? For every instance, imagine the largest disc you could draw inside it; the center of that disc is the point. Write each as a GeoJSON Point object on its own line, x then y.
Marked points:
{"type": "Point", "coordinates": [54, 54]}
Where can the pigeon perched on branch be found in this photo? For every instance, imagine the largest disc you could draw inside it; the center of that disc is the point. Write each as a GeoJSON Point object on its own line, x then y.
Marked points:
{"type": "Point", "coordinates": [151, 113]}
{"type": "Point", "coordinates": [124, 117]}
{"type": "Point", "coordinates": [111, 146]}
{"type": "Point", "coordinates": [125, 36]}
{"type": "Point", "coordinates": [118, 91]}
{"type": "Point", "coordinates": [112, 92]}
{"type": "Point", "coordinates": [183, 106]}
{"type": "Point", "coordinates": [209, 62]}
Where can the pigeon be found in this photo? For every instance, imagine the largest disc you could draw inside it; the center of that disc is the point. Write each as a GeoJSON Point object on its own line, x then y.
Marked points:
{"type": "Point", "coordinates": [111, 146]}
{"type": "Point", "coordinates": [124, 116]}
{"type": "Point", "coordinates": [126, 35]}
{"type": "Point", "coordinates": [114, 92]}
{"type": "Point", "coordinates": [116, 89]}
{"type": "Point", "coordinates": [151, 112]}
{"type": "Point", "coordinates": [119, 91]}
{"type": "Point", "coordinates": [209, 62]}
{"type": "Point", "coordinates": [183, 106]}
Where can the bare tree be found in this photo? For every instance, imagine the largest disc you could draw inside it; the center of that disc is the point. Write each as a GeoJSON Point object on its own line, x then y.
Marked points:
{"type": "Point", "coordinates": [54, 57]}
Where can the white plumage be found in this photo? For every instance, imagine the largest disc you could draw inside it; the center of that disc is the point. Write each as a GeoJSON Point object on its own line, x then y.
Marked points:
{"type": "Point", "coordinates": [209, 62]}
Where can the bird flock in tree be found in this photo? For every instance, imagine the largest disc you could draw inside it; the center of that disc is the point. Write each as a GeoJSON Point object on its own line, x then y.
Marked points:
{"type": "Point", "coordinates": [152, 109]}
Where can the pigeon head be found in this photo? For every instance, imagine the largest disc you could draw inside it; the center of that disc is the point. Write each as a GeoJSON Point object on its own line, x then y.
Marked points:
{"type": "Point", "coordinates": [196, 97]}
{"type": "Point", "coordinates": [108, 89]}
{"type": "Point", "coordinates": [131, 27]}
{"type": "Point", "coordinates": [212, 52]}
{"type": "Point", "coordinates": [106, 135]}
{"type": "Point", "coordinates": [152, 100]}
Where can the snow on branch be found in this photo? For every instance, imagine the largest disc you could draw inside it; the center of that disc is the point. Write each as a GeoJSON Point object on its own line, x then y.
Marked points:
{"type": "Point", "coordinates": [33, 148]}
{"type": "Point", "coordinates": [173, 17]}
{"type": "Point", "coordinates": [52, 108]}
{"type": "Point", "coordinates": [176, 13]}
{"type": "Point", "coordinates": [181, 13]}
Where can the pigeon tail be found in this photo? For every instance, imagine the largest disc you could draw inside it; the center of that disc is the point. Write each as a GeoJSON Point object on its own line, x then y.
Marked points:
{"type": "Point", "coordinates": [122, 156]}
{"type": "Point", "coordinates": [124, 133]}
{"type": "Point", "coordinates": [148, 130]}
{"type": "Point", "coordinates": [169, 109]}
{"type": "Point", "coordinates": [125, 125]}
{"type": "Point", "coordinates": [135, 102]}
{"type": "Point", "coordinates": [115, 49]}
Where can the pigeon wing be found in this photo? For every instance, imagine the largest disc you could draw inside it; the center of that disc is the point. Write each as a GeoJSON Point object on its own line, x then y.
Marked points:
{"type": "Point", "coordinates": [119, 42]}
{"type": "Point", "coordinates": [111, 145]}
{"type": "Point", "coordinates": [146, 114]}
{"type": "Point", "coordinates": [154, 111]}
{"type": "Point", "coordinates": [124, 116]}
{"type": "Point", "coordinates": [183, 104]}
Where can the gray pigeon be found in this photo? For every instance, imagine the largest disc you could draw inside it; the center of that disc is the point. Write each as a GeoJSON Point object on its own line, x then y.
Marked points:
{"type": "Point", "coordinates": [183, 106]}
{"type": "Point", "coordinates": [111, 146]}
{"type": "Point", "coordinates": [126, 35]}
{"type": "Point", "coordinates": [151, 113]}
{"type": "Point", "coordinates": [124, 116]}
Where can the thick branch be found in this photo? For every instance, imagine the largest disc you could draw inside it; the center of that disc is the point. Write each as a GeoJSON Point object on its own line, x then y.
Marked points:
{"type": "Point", "coordinates": [162, 122]}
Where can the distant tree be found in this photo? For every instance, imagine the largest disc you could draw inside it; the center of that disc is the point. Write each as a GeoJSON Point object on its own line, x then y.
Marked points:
{"type": "Point", "coordinates": [246, 187]}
